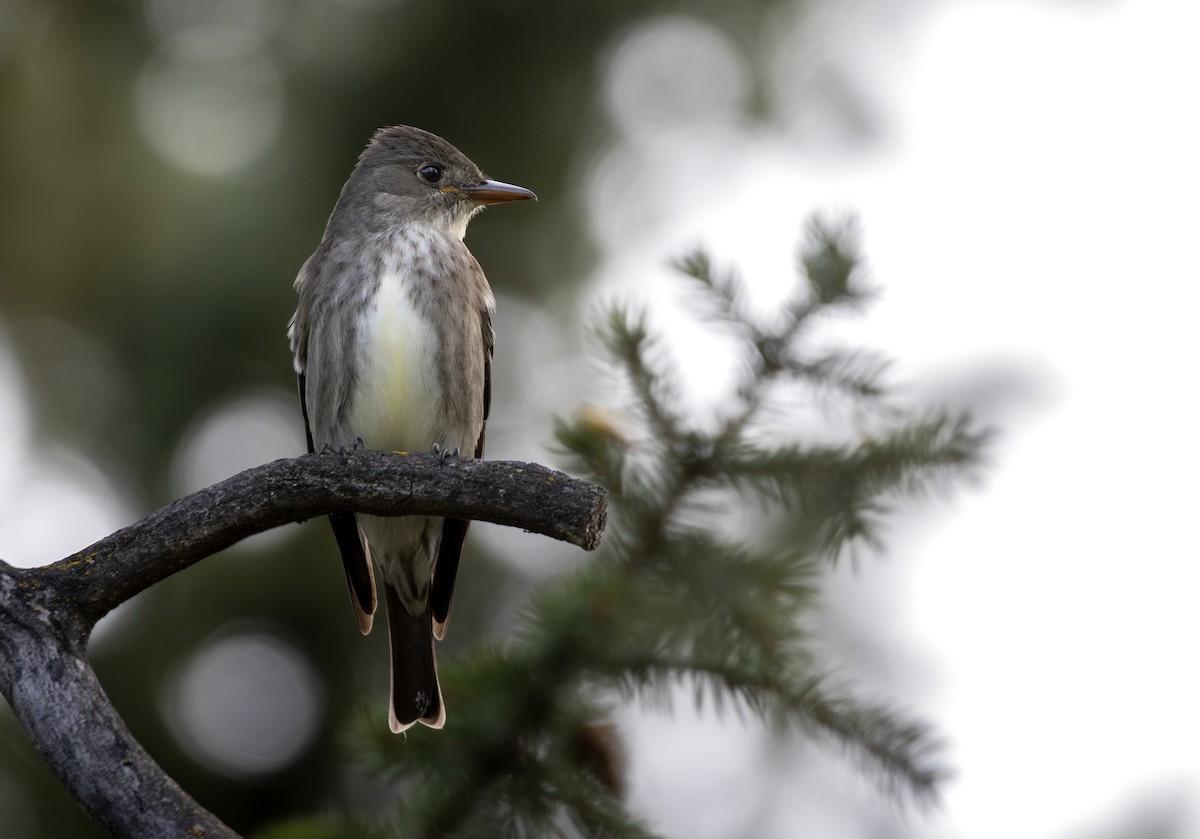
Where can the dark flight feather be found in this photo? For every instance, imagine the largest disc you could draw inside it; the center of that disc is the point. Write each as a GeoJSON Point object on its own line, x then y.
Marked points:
{"type": "Point", "coordinates": [360, 578]}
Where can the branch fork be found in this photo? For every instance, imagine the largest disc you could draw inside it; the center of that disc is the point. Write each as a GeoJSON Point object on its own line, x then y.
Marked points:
{"type": "Point", "coordinates": [47, 613]}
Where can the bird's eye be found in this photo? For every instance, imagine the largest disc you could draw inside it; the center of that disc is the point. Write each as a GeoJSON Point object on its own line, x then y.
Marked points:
{"type": "Point", "coordinates": [430, 174]}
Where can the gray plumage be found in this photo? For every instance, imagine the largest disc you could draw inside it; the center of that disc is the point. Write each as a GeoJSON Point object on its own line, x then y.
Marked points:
{"type": "Point", "coordinates": [392, 340]}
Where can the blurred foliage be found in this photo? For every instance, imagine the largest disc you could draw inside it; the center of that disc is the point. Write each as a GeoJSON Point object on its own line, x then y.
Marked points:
{"type": "Point", "coordinates": [137, 294]}
{"type": "Point", "coordinates": [672, 598]}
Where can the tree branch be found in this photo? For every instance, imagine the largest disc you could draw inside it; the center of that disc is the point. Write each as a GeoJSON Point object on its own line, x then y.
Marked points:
{"type": "Point", "coordinates": [47, 614]}
{"type": "Point", "coordinates": [517, 494]}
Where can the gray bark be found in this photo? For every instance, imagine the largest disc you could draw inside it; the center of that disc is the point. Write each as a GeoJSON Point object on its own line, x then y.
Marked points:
{"type": "Point", "coordinates": [47, 614]}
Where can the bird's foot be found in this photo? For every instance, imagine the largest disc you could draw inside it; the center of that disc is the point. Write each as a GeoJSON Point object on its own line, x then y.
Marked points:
{"type": "Point", "coordinates": [340, 451]}
{"type": "Point", "coordinates": [445, 454]}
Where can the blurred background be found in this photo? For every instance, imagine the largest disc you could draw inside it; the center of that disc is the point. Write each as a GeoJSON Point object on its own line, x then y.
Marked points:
{"type": "Point", "coordinates": [1025, 174]}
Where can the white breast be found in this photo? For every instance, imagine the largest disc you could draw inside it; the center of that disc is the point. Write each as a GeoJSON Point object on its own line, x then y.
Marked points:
{"type": "Point", "coordinates": [396, 398]}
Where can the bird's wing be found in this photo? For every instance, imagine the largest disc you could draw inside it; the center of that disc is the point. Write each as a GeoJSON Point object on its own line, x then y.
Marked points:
{"type": "Point", "coordinates": [454, 531]}
{"type": "Point", "coordinates": [357, 563]}
{"type": "Point", "coordinates": [304, 413]}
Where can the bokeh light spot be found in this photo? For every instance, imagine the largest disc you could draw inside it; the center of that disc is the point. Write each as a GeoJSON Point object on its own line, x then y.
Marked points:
{"type": "Point", "coordinates": [233, 436]}
{"type": "Point", "coordinates": [246, 704]}
{"type": "Point", "coordinates": [55, 500]}
{"type": "Point", "coordinates": [671, 72]}
{"type": "Point", "coordinates": [171, 17]}
{"type": "Point", "coordinates": [211, 100]}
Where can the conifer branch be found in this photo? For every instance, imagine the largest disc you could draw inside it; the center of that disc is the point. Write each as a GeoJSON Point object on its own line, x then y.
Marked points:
{"type": "Point", "coordinates": [671, 598]}
{"type": "Point", "coordinates": [631, 345]}
{"type": "Point", "coordinates": [900, 752]}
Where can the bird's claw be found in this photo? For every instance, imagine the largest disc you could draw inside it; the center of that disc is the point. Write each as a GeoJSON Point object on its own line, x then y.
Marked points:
{"type": "Point", "coordinates": [445, 454]}
{"type": "Point", "coordinates": [341, 451]}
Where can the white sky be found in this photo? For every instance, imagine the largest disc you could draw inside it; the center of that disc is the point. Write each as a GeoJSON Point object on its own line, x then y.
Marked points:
{"type": "Point", "coordinates": [1035, 204]}
{"type": "Point", "coordinates": [1051, 177]}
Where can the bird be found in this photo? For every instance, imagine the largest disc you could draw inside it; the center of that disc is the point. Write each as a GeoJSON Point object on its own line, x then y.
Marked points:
{"type": "Point", "coordinates": [392, 344]}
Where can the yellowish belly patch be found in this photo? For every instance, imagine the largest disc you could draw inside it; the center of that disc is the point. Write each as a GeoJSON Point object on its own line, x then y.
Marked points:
{"type": "Point", "coordinates": [396, 395]}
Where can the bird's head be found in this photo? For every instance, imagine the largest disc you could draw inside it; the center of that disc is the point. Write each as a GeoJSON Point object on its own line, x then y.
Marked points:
{"type": "Point", "coordinates": [411, 176]}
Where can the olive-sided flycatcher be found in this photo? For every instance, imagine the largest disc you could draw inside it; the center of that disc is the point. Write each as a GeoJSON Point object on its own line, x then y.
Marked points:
{"type": "Point", "coordinates": [392, 339]}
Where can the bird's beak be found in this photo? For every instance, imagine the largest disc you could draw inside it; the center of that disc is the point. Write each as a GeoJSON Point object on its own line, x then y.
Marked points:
{"type": "Point", "coordinates": [496, 192]}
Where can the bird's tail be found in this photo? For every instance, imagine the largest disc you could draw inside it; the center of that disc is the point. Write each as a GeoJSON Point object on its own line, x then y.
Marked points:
{"type": "Point", "coordinates": [415, 693]}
